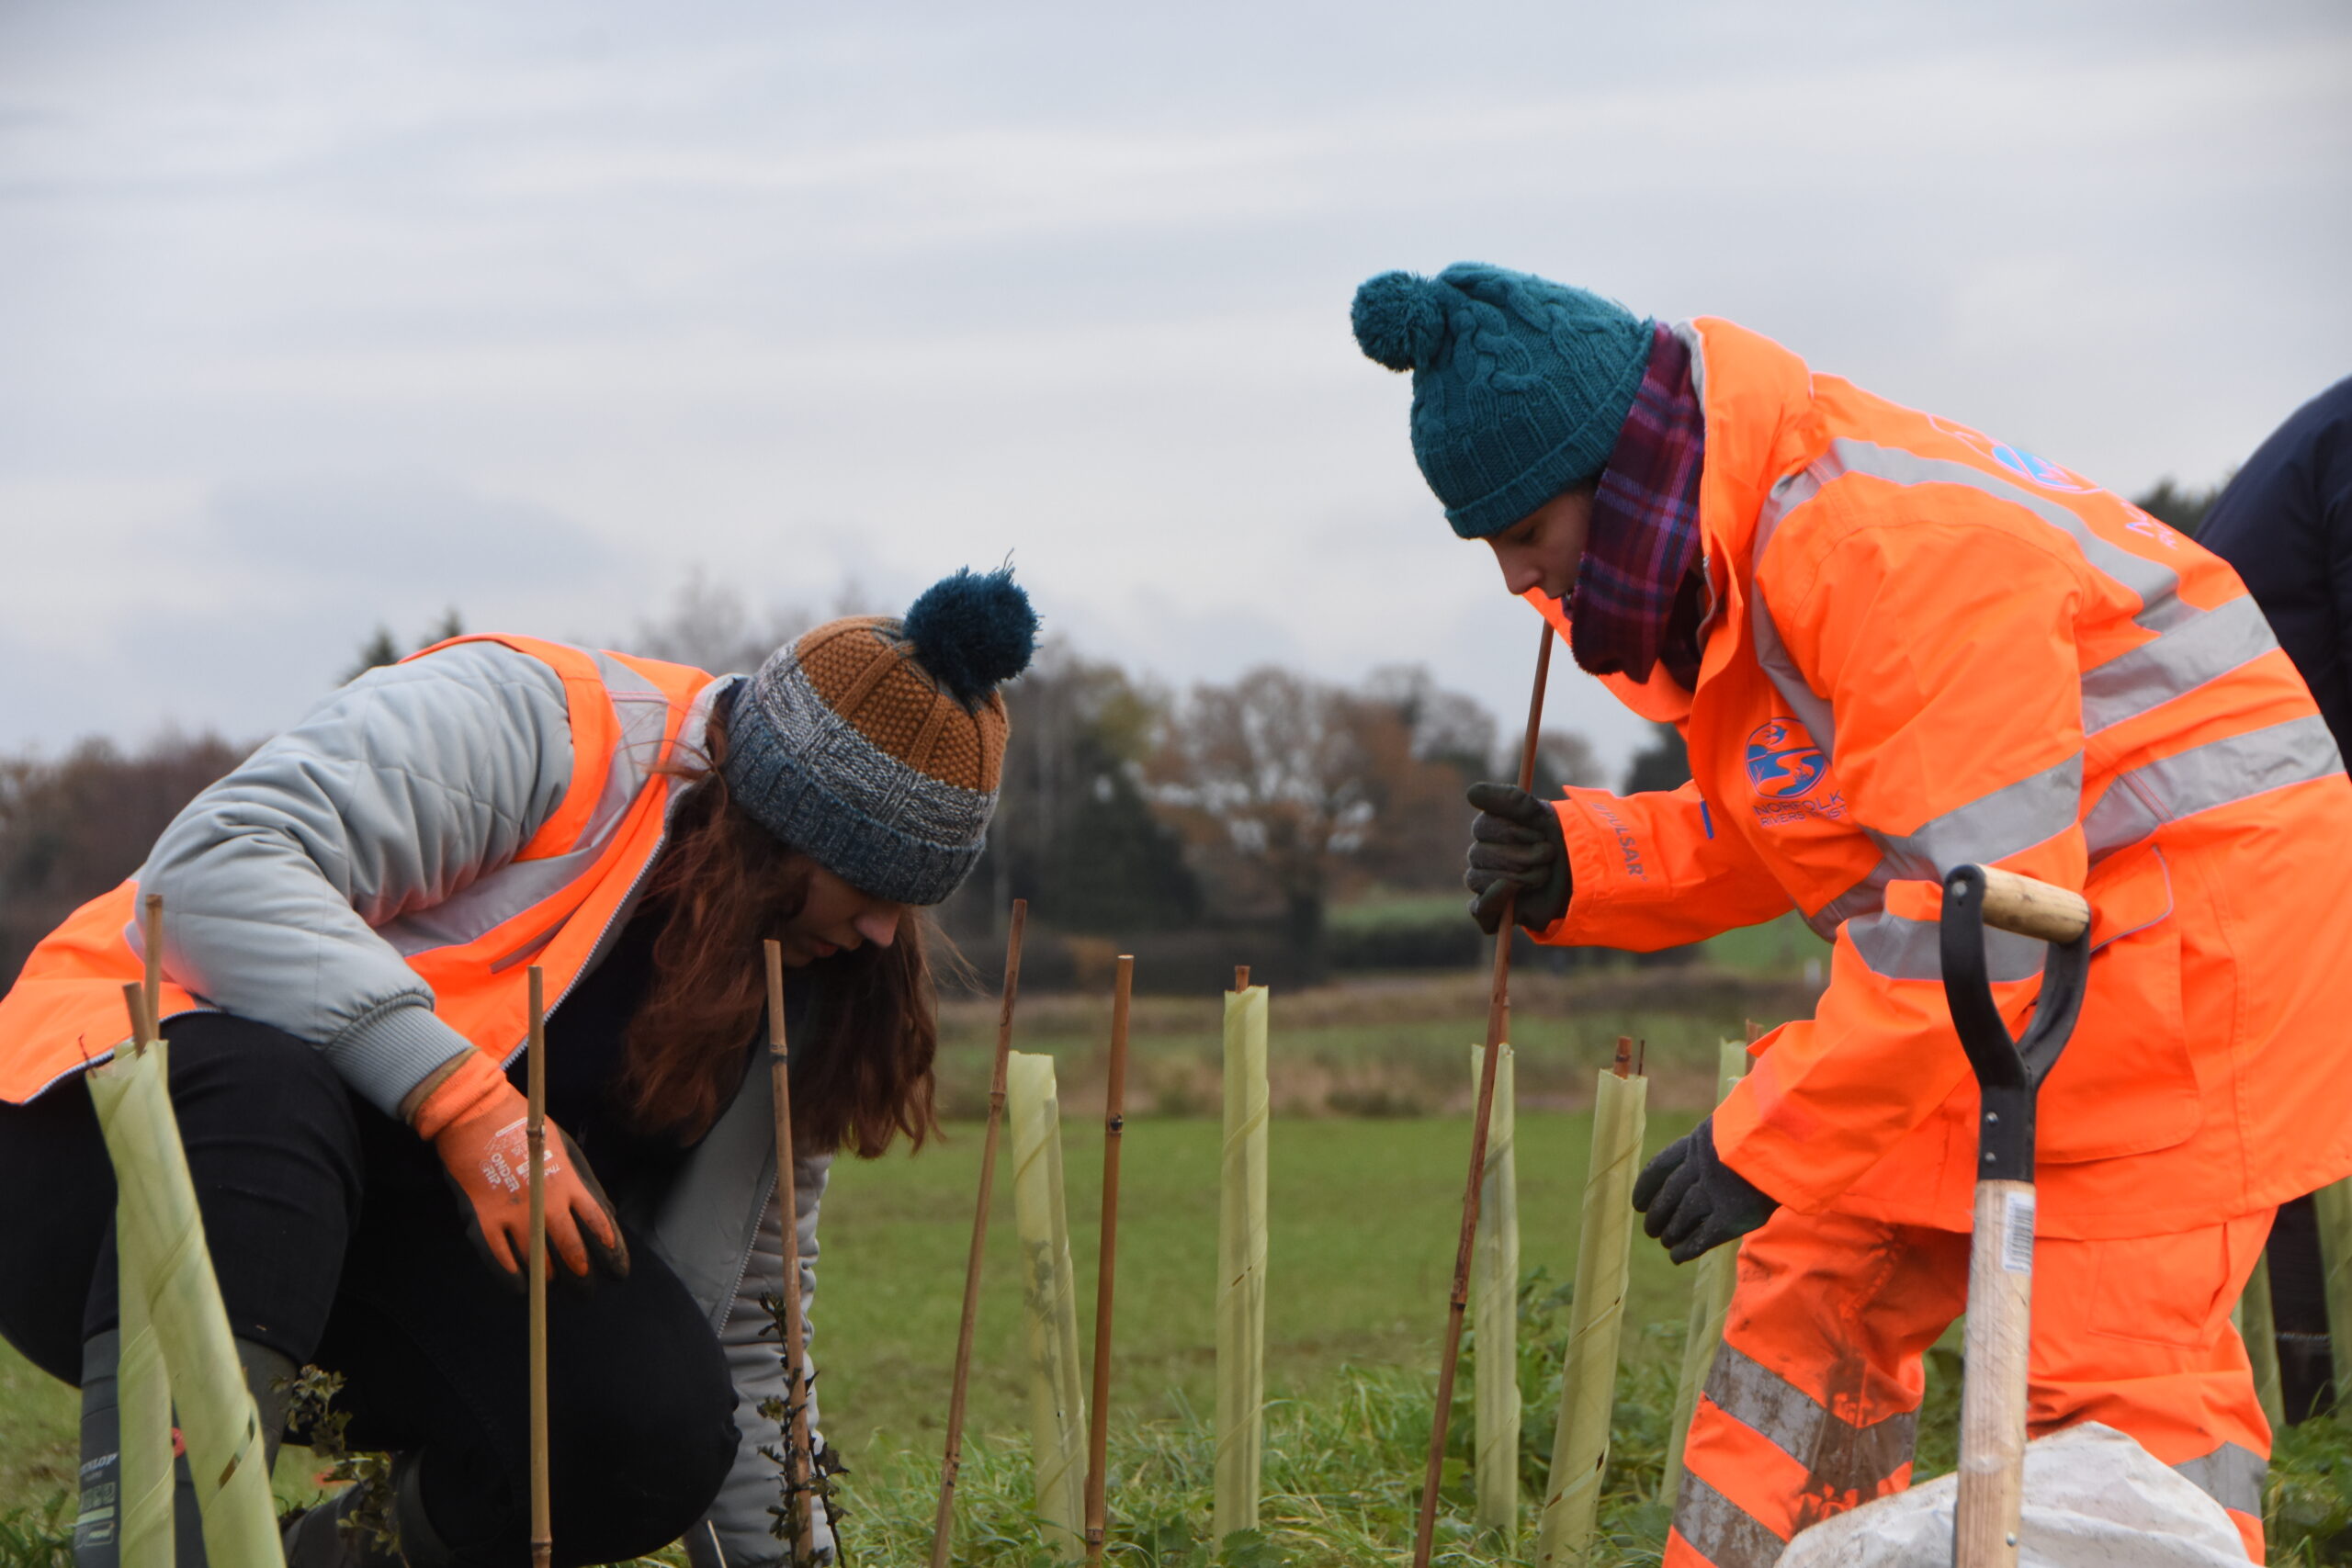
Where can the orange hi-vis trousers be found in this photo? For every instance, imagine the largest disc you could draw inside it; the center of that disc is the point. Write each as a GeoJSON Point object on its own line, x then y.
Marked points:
{"type": "Point", "coordinates": [1814, 1401]}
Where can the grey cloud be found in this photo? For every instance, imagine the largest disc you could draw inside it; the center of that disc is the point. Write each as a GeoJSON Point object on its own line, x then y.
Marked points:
{"type": "Point", "coordinates": [395, 535]}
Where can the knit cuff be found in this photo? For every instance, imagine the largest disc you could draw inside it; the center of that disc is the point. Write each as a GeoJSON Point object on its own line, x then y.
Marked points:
{"type": "Point", "coordinates": [384, 1056]}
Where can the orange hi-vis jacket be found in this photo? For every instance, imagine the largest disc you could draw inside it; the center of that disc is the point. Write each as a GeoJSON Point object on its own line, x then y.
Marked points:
{"type": "Point", "coordinates": [552, 905]}
{"type": "Point", "coordinates": [1925, 649]}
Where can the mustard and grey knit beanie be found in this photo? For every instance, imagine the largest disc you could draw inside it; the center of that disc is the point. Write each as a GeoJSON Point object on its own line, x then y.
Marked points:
{"type": "Point", "coordinates": [874, 744]}
{"type": "Point", "coordinates": [1520, 384]}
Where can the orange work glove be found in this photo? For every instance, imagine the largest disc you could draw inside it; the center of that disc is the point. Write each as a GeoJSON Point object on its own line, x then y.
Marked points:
{"type": "Point", "coordinates": [476, 1121]}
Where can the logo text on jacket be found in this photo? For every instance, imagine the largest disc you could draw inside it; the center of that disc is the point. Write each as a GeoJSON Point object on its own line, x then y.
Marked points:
{"type": "Point", "coordinates": [1784, 768]}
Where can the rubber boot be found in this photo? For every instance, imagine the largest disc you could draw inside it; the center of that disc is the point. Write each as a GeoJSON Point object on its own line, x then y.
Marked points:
{"type": "Point", "coordinates": [97, 1520]}
{"type": "Point", "coordinates": [317, 1539]}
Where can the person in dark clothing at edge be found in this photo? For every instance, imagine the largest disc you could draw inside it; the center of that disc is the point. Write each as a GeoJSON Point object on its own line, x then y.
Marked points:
{"type": "Point", "coordinates": [350, 917]}
{"type": "Point", "coordinates": [2285, 523]}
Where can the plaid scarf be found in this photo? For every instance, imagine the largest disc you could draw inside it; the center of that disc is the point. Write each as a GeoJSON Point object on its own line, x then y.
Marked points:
{"type": "Point", "coordinates": [1636, 596]}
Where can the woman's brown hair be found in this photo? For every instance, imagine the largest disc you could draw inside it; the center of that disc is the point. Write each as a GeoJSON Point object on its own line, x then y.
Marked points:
{"type": "Point", "coordinates": [861, 1062]}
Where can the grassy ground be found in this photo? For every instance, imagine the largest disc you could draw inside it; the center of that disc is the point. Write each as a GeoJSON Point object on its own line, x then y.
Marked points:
{"type": "Point", "coordinates": [1364, 1211]}
{"type": "Point", "coordinates": [1391, 1046]}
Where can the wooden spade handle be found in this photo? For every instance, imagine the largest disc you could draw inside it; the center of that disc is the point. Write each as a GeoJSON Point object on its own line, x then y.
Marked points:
{"type": "Point", "coordinates": [2019, 903]}
{"type": "Point", "coordinates": [1993, 1395]}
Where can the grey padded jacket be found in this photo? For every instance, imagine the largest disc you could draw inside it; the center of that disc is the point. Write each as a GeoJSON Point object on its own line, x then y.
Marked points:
{"type": "Point", "coordinates": [295, 884]}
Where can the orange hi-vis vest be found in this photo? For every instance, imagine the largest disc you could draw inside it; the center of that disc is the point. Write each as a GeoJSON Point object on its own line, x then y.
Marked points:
{"type": "Point", "coordinates": [552, 906]}
{"type": "Point", "coordinates": [1925, 647]}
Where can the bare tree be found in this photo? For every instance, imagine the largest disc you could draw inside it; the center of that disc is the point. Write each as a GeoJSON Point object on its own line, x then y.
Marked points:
{"type": "Point", "coordinates": [710, 626]}
{"type": "Point", "coordinates": [73, 828]}
{"type": "Point", "coordinates": [1272, 779]}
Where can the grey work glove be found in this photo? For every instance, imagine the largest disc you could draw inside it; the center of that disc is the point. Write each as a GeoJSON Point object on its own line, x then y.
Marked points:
{"type": "Point", "coordinates": [1515, 847]}
{"type": "Point", "coordinates": [1692, 1202]}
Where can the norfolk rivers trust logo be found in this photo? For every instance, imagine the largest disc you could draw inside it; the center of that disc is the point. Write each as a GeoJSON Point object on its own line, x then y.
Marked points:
{"type": "Point", "coordinates": [1784, 768]}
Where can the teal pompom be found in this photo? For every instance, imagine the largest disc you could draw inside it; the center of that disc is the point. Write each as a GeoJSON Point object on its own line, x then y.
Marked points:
{"type": "Point", "coordinates": [973, 630]}
{"type": "Point", "coordinates": [1399, 322]}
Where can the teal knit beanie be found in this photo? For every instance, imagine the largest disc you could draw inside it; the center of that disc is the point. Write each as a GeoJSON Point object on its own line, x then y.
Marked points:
{"type": "Point", "coordinates": [1520, 384]}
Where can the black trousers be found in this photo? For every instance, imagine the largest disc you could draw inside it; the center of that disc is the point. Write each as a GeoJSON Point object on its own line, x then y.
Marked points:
{"type": "Point", "coordinates": [336, 1241]}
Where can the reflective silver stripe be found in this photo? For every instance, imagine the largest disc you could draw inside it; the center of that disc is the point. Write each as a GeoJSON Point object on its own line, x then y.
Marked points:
{"type": "Point", "coordinates": [1897, 948]}
{"type": "Point", "coordinates": [644, 715]}
{"type": "Point", "coordinates": [504, 893]}
{"type": "Point", "coordinates": [2156, 584]}
{"type": "Point", "coordinates": [1832, 1450]}
{"type": "Point", "coordinates": [1721, 1531]}
{"type": "Point", "coordinates": [1994, 826]}
{"type": "Point", "coordinates": [2197, 650]}
{"type": "Point", "coordinates": [2192, 647]}
{"type": "Point", "coordinates": [1864, 898]}
{"type": "Point", "coordinates": [1807, 707]}
{"type": "Point", "coordinates": [2230, 1475]}
{"type": "Point", "coordinates": [2235, 768]}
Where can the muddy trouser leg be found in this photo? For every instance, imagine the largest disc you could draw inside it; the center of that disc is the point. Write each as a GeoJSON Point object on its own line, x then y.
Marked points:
{"type": "Point", "coordinates": [1812, 1406]}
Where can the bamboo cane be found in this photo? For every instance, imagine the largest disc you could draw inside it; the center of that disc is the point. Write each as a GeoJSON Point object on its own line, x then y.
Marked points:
{"type": "Point", "coordinates": [1498, 1014]}
{"type": "Point", "coordinates": [1596, 1314]}
{"type": "Point", "coordinates": [178, 1318]}
{"type": "Point", "coordinates": [2259, 1329]}
{"type": "Point", "coordinates": [1241, 1263]}
{"type": "Point", "coordinates": [1098, 1446]}
{"type": "Point", "coordinates": [534, 1137]}
{"type": "Point", "coordinates": [799, 1471]}
{"type": "Point", "coordinates": [942, 1523]}
{"type": "Point", "coordinates": [1712, 1278]}
{"type": "Point", "coordinates": [1494, 1312]}
{"type": "Point", "coordinates": [1049, 1300]}
{"type": "Point", "coordinates": [151, 911]}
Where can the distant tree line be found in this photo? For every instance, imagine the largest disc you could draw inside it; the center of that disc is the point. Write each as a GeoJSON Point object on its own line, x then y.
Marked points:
{"type": "Point", "coordinates": [1127, 808]}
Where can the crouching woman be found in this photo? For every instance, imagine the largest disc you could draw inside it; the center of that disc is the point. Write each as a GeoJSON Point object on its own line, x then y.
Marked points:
{"type": "Point", "coordinates": [350, 920]}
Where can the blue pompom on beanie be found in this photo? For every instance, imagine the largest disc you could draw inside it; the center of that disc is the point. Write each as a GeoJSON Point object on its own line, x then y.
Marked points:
{"type": "Point", "coordinates": [1520, 384]}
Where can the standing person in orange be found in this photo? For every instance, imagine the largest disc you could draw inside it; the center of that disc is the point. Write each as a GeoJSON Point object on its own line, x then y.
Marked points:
{"type": "Point", "coordinates": [1894, 645]}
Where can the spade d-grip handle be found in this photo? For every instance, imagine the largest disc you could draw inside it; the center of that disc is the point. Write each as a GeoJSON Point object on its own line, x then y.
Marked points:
{"type": "Point", "coordinates": [2010, 1073]}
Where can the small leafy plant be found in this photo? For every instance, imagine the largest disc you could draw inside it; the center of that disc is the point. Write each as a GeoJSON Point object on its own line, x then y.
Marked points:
{"type": "Point", "coordinates": [312, 1419]}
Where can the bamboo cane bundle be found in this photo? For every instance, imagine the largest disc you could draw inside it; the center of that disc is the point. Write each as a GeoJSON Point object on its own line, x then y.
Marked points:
{"type": "Point", "coordinates": [2259, 1329]}
{"type": "Point", "coordinates": [1050, 1299]}
{"type": "Point", "coordinates": [1596, 1316]}
{"type": "Point", "coordinates": [2332, 1206]}
{"type": "Point", "coordinates": [1494, 1313]}
{"type": "Point", "coordinates": [167, 1269]}
{"type": "Point", "coordinates": [1241, 1265]}
{"type": "Point", "coordinates": [1712, 1278]}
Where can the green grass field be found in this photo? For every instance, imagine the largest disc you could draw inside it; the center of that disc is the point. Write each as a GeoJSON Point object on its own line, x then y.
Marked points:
{"type": "Point", "coordinates": [1362, 1217]}
{"type": "Point", "coordinates": [1368, 1148]}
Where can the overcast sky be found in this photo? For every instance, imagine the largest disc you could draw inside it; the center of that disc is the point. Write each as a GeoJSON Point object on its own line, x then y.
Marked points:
{"type": "Point", "coordinates": [317, 317]}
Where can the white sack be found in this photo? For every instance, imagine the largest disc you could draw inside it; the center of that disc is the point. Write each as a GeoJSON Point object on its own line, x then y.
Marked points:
{"type": "Point", "coordinates": [2094, 1498]}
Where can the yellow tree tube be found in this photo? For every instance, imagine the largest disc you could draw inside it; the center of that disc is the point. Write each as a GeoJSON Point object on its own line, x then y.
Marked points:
{"type": "Point", "coordinates": [1494, 1314]}
{"type": "Point", "coordinates": [1712, 1278]}
{"type": "Point", "coordinates": [1596, 1316]}
{"type": "Point", "coordinates": [168, 1268]}
{"type": "Point", "coordinates": [2259, 1329]}
{"type": "Point", "coordinates": [2332, 1206]}
{"type": "Point", "coordinates": [144, 1482]}
{"type": "Point", "coordinates": [1242, 1266]}
{"type": "Point", "coordinates": [1050, 1299]}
